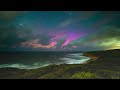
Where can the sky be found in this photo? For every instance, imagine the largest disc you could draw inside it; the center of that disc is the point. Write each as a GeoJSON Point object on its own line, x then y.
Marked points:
{"type": "Point", "coordinates": [59, 30]}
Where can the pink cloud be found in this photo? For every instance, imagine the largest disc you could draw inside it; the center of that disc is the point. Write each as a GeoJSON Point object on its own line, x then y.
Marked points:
{"type": "Point", "coordinates": [53, 43]}
{"type": "Point", "coordinates": [28, 43]}
{"type": "Point", "coordinates": [57, 36]}
{"type": "Point", "coordinates": [74, 46]}
{"type": "Point", "coordinates": [35, 44]}
{"type": "Point", "coordinates": [72, 36]}
{"type": "Point", "coordinates": [66, 43]}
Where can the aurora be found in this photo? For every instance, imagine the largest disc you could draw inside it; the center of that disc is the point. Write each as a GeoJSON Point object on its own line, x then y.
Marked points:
{"type": "Point", "coordinates": [59, 30]}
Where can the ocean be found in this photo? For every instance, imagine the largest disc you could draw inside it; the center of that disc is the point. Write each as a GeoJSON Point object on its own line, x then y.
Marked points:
{"type": "Point", "coordinates": [33, 60]}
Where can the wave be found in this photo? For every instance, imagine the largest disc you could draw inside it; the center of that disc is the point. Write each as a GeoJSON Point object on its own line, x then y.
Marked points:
{"type": "Point", "coordinates": [78, 54]}
{"type": "Point", "coordinates": [76, 58]}
{"type": "Point", "coordinates": [74, 61]}
{"type": "Point", "coordinates": [23, 66]}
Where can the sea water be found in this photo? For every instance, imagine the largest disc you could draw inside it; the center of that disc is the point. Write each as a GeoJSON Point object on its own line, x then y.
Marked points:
{"type": "Point", "coordinates": [33, 60]}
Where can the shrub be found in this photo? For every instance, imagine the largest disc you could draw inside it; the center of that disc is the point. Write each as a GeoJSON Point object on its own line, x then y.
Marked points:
{"type": "Point", "coordinates": [84, 75]}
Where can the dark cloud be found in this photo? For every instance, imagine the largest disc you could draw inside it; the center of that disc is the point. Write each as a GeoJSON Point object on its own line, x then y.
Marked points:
{"type": "Point", "coordinates": [8, 36]}
{"type": "Point", "coordinates": [110, 31]}
{"type": "Point", "coordinates": [8, 15]}
{"type": "Point", "coordinates": [104, 33]}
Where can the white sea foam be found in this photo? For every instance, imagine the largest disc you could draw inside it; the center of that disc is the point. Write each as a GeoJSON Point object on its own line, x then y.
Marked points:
{"type": "Point", "coordinates": [74, 61]}
{"type": "Point", "coordinates": [75, 58]}
{"type": "Point", "coordinates": [68, 59]}
{"type": "Point", "coordinates": [23, 66]}
{"type": "Point", "coordinates": [77, 54]}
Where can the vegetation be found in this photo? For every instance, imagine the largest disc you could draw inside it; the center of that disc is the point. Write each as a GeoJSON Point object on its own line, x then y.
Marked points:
{"type": "Point", "coordinates": [84, 75]}
{"type": "Point", "coordinates": [106, 66]}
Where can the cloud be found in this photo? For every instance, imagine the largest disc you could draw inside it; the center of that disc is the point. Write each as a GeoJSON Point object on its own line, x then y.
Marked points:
{"type": "Point", "coordinates": [102, 44]}
{"type": "Point", "coordinates": [8, 36]}
{"type": "Point", "coordinates": [8, 15]}
{"type": "Point", "coordinates": [66, 43]}
{"type": "Point", "coordinates": [106, 32]}
{"type": "Point", "coordinates": [73, 36]}
{"type": "Point", "coordinates": [112, 43]}
{"type": "Point", "coordinates": [57, 35]}
{"type": "Point", "coordinates": [66, 23]}
{"type": "Point", "coordinates": [35, 44]}
{"type": "Point", "coordinates": [111, 31]}
{"type": "Point", "coordinates": [77, 17]}
{"type": "Point", "coordinates": [74, 46]}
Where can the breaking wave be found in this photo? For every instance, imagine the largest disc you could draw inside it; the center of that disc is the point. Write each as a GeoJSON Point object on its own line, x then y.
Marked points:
{"type": "Point", "coordinates": [75, 59]}
{"type": "Point", "coordinates": [67, 59]}
{"type": "Point", "coordinates": [23, 66]}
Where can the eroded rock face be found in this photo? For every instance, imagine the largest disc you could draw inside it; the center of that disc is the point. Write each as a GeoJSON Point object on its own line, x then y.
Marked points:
{"type": "Point", "coordinates": [93, 57]}
{"type": "Point", "coordinates": [106, 55]}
